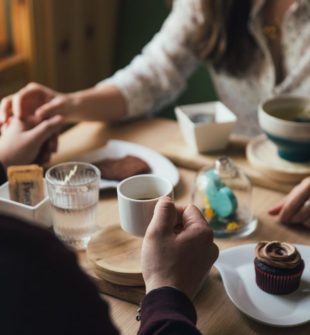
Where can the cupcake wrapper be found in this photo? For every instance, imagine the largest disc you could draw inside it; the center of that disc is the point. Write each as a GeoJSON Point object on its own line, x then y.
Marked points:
{"type": "Point", "coordinates": [277, 283]}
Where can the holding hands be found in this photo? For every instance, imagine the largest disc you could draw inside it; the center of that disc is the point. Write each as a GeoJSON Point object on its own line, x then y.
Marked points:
{"type": "Point", "coordinates": [21, 144]}
{"type": "Point", "coordinates": [33, 103]}
{"type": "Point", "coordinates": [27, 135]}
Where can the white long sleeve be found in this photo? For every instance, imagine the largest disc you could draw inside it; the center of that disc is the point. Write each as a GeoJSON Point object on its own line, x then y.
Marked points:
{"type": "Point", "coordinates": [159, 74]}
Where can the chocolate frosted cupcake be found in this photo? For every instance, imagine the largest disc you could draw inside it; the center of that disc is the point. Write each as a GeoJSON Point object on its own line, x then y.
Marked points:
{"type": "Point", "coordinates": [278, 267]}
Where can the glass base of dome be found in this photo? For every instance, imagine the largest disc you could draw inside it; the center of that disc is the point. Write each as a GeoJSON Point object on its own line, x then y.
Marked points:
{"type": "Point", "coordinates": [244, 231]}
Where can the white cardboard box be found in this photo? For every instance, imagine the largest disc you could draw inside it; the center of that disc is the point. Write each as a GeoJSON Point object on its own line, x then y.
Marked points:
{"type": "Point", "coordinates": [206, 136]}
{"type": "Point", "coordinates": [39, 214]}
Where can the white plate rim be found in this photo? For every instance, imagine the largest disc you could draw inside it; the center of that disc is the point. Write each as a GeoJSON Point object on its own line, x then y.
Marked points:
{"type": "Point", "coordinates": [251, 247]}
{"type": "Point", "coordinates": [134, 149]}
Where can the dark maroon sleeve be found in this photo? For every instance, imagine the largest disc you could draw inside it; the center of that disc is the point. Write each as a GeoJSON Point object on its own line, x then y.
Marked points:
{"type": "Point", "coordinates": [2, 174]}
{"type": "Point", "coordinates": [167, 311]}
{"type": "Point", "coordinates": [42, 288]}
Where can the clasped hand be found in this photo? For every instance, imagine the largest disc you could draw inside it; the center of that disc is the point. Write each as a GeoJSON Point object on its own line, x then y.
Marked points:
{"type": "Point", "coordinates": [28, 136]}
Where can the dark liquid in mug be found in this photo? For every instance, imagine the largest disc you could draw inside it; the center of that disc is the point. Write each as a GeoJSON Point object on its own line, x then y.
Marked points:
{"type": "Point", "coordinates": [146, 198]}
{"type": "Point", "coordinates": [290, 114]}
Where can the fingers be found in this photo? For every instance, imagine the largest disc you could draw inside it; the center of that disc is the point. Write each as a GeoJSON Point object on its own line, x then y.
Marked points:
{"type": "Point", "coordinates": [5, 109]}
{"type": "Point", "coordinates": [295, 200]}
{"type": "Point", "coordinates": [195, 224]}
{"type": "Point", "coordinates": [164, 218]}
{"type": "Point", "coordinates": [303, 215]}
{"type": "Point", "coordinates": [46, 129]}
{"type": "Point", "coordinates": [27, 100]}
{"type": "Point", "coordinates": [193, 216]}
{"type": "Point", "coordinates": [277, 208]}
{"type": "Point", "coordinates": [52, 108]}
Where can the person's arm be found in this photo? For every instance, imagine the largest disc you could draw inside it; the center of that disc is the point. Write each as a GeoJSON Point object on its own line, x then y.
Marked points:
{"type": "Point", "coordinates": [36, 102]}
{"type": "Point", "coordinates": [180, 245]}
{"type": "Point", "coordinates": [159, 74]}
{"type": "Point", "coordinates": [295, 207]}
{"type": "Point", "coordinates": [167, 310]}
{"type": "Point", "coordinates": [153, 79]}
{"type": "Point", "coordinates": [42, 288]}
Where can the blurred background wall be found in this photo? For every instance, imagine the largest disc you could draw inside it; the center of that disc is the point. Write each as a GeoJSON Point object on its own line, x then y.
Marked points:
{"type": "Point", "coordinates": [72, 44]}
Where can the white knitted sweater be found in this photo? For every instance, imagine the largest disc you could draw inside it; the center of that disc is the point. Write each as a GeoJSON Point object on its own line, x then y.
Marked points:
{"type": "Point", "coordinates": [159, 74]}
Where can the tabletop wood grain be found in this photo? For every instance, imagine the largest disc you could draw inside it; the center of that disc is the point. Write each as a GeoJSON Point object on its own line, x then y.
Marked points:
{"type": "Point", "coordinates": [216, 313]}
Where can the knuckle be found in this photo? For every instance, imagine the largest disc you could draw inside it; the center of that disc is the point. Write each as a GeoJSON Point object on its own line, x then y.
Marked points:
{"type": "Point", "coordinates": [206, 233]}
{"type": "Point", "coordinates": [46, 125]}
{"type": "Point", "coordinates": [32, 85]}
{"type": "Point", "coordinates": [5, 101]}
{"type": "Point", "coordinates": [60, 100]}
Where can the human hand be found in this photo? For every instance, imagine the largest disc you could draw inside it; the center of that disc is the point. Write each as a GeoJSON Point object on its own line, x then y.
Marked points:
{"type": "Point", "coordinates": [33, 103]}
{"type": "Point", "coordinates": [295, 207]}
{"type": "Point", "coordinates": [177, 249]}
{"type": "Point", "coordinates": [21, 145]}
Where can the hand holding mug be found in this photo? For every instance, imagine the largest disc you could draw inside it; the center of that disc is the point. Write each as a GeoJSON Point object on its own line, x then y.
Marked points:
{"type": "Point", "coordinates": [178, 248]}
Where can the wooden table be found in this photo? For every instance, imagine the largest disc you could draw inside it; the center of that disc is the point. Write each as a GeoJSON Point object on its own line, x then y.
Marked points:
{"type": "Point", "coordinates": [216, 313]}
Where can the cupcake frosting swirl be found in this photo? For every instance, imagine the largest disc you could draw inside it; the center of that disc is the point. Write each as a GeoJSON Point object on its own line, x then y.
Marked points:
{"type": "Point", "coordinates": [278, 254]}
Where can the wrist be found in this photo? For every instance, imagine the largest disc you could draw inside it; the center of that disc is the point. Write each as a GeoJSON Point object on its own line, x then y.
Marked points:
{"type": "Point", "coordinates": [72, 103]}
{"type": "Point", "coordinates": [152, 284]}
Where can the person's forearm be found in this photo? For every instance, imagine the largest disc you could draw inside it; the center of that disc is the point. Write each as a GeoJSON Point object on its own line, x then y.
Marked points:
{"type": "Point", "coordinates": [103, 103]}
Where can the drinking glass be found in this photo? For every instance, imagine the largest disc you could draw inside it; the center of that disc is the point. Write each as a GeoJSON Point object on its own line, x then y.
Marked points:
{"type": "Point", "coordinates": [73, 190]}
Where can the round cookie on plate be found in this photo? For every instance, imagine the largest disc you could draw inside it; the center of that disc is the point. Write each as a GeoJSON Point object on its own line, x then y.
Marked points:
{"type": "Point", "coordinates": [278, 267]}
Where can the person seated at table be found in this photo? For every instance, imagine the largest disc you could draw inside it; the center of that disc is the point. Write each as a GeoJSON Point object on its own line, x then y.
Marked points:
{"type": "Point", "coordinates": [253, 50]}
{"type": "Point", "coordinates": [43, 290]}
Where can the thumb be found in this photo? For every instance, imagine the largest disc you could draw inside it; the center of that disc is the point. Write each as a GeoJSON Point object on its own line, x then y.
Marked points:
{"type": "Point", "coordinates": [165, 216]}
{"type": "Point", "coordinates": [50, 109]}
{"type": "Point", "coordinates": [46, 129]}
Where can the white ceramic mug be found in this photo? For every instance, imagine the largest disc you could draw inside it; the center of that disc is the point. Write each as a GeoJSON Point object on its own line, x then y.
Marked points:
{"type": "Point", "coordinates": [137, 197]}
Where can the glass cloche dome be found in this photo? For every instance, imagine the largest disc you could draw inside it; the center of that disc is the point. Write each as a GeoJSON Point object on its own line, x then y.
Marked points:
{"type": "Point", "coordinates": [223, 194]}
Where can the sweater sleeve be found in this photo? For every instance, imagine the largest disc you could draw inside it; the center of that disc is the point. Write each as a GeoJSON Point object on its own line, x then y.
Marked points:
{"type": "Point", "coordinates": [2, 174]}
{"type": "Point", "coordinates": [167, 311]}
{"type": "Point", "coordinates": [42, 288]}
{"type": "Point", "coordinates": [158, 75]}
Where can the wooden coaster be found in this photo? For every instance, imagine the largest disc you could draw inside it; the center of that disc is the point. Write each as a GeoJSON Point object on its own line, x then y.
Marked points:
{"type": "Point", "coordinates": [115, 256]}
{"type": "Point", "coordinates": [262, 154]}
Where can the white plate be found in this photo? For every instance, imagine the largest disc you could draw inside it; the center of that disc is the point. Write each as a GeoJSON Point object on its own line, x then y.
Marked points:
{"type": "Point", "coordinates": [116, 149]}
{"type": "Point", "coordinates": [236, 266]}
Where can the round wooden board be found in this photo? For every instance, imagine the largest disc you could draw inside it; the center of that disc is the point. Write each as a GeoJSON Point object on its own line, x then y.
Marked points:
{"type": "Point", "coordinates": [115, 256]}
{"type": "Point", "coordinates": [262, 154]}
